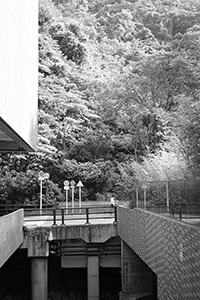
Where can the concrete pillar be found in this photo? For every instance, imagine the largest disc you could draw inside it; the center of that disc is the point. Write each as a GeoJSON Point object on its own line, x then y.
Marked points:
{"type": "Point", "coordinates": [137, 277]}
{"type": "Point", "coordinates": [39, 286]}
{"type": "Point", "coordinates": [93, 277]}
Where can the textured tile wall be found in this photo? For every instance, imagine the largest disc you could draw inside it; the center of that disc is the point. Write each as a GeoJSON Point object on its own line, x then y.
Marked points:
{"type": "Point", "coordinates": [169, 247]}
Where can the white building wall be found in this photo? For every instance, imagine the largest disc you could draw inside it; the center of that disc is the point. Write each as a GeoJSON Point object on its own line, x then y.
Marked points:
{"type": "Point", "coordinates": [18, 66]}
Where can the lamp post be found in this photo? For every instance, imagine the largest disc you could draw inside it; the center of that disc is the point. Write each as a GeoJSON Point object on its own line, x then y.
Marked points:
{"type": "Point", "coordinates": [42, 176]}
{"type": "Point", "coordinates": [66, 188]}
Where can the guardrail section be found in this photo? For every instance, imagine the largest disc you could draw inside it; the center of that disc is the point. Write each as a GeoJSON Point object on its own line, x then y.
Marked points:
{"type": "Point", "coordinates": [11, 234]}
{"type": "Point", "coordinates": [85, 215]}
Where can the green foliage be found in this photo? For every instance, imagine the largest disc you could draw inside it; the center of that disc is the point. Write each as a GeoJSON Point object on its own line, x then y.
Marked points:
{"type": "Point", "coordinates": [69, 40]}
{"type": "Point", "coordinates": [118, 96]}
{"type": "Point", "coordinates": [187, 126]}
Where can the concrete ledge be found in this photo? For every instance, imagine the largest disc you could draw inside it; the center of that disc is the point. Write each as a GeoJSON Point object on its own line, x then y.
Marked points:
{"type": "Point", "coordinates": [90, 233]}
{"type": "Point", "coordinates": [11, 234]}
{"type": "Point", "coordinates": [36, 239]}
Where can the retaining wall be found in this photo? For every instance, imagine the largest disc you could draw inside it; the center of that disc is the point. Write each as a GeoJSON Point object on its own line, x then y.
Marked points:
{"type": "Point", "coordinates": [169, 247]}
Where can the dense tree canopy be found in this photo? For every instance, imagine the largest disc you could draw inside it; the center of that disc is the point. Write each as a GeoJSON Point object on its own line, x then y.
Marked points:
{"type": "Point", "coordinates": [118, 89]}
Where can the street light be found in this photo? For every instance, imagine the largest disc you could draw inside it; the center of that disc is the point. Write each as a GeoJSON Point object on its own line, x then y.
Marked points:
{"type": "Point", "coordinates": [42, 176]}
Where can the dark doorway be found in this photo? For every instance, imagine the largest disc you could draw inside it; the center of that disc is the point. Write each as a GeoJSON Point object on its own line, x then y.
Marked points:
{"type": "Point", "coordinates": [110, 283]}
{"type": "Point", "coordinates": [75, 283]}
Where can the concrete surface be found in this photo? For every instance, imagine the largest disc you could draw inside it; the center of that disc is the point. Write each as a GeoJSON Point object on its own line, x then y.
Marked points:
{"type": "Point", "coordinates": [11, 234]}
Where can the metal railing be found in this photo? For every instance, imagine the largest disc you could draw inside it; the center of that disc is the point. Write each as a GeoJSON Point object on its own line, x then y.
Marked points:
{"type": "Point", "coordinates": [60, 216]}
{"type": "Point", "coordinates": [179, 212]}
{"type": "Point", "coordinates": [9, 208]}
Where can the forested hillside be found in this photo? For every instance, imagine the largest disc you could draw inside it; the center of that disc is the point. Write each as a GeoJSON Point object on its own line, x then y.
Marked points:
{"type": "Point", "coordinates": [119, 98]}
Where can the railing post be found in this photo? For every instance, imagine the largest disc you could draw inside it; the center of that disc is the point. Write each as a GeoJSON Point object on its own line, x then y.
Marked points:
{"type": "Point", "coordinates": [87, 215]}
{"type": "Point", "coordinates": [172, 212]}
{"type": "Point", "coordinates": [63, 216]}
{"type": "Point", "coordinates": [54, 217]}
{"type": "Point", "coordinates": [180, 214]}
{"type": "Point", "coordinates": [115, 207]}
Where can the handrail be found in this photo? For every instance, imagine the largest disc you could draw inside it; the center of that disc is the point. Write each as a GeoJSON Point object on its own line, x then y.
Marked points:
{"type": "Point", "coordinates": [60, 215]}
{"type": "Point", "coordinates": [179, 211]}
{"type": "Point", "coordinates": [8, 208]}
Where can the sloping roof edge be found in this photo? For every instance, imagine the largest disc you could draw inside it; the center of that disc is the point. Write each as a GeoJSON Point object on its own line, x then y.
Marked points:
{"type": "Point", "coordinates": [13, 141]}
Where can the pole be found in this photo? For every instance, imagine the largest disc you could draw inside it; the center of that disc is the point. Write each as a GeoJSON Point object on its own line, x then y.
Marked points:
{"type": "Point", "coordinates": [144, 187]}
{"type": "Point", "coordinates": [66, 188]}
{"type": "Point", "coordinates": [72, 199]}
{"type": "Point", "coordinates": [66, 192]}
{"type": "Point", "coordinates": [145, 198]}
{"type": "Point", "coordinates": [167, 190]}
{"type": "Point", "coordinates": [87, 215]}
{"type": "Point", "coordinates": [41, 197]}
{"type": "Point", "coordinates": [46, 193]}
{"type": "Point", "coordinates": [41, 177]}
{"type": "Point", "coordinates": [137, 202]}
{"type": "Point", "coordinates": [79, 199]}
{"type": "Point", "coordinates": [79, 185]}
{"type": "Point", "coordinates": [54, 217]}
{"type": "Point", "coordinates": [63, 216]}
{"type": "Point", "coordinates": [115, 207]}
{"type": "Point", "coordinates": [73, 187]}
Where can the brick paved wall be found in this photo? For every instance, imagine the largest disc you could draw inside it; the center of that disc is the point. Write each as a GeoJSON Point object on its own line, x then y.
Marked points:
{"type": "Point", "coordinates": [169, 247]}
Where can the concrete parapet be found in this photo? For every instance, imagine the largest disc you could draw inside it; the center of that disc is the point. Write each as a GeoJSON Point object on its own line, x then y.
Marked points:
{"type": "Point", "coordinates": [36, 239]}
{"type": "Point", "coordinates": [11, 234]}
{"type": "Point", "coordinates": [91, 233]}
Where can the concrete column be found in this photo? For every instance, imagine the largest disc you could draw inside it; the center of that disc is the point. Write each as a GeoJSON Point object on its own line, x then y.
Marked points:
{"type": "Point", "coordinates": [93, 277]}
{"type": "Point", "coordinates": [137, 277]}
{"type": "Point", "coordinates": [39, 288]}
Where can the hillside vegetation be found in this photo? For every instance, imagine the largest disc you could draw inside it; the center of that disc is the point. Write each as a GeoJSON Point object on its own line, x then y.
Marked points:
{"type": "Point", "coordinates": [119, 98]}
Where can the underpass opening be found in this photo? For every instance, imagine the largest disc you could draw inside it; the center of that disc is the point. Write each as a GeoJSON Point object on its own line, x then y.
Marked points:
{"type": "Point", "coordinates": [138, 279]}
{"type": "Point", "coordinates": [71, 283]}
{"type": "Point", "coordinates": [78, 270]}
{"type": "Point", "coordinates": [81, 270]}
{"type": "Point", "coordinates": [15, 277]}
